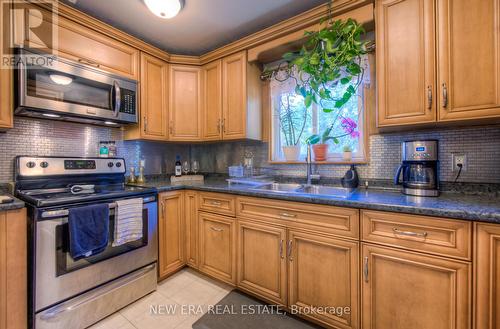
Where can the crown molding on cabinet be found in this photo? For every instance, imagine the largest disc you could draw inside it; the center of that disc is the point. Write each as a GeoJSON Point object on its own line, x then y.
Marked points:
{"type": "Point", "coordinates": [273, 32]}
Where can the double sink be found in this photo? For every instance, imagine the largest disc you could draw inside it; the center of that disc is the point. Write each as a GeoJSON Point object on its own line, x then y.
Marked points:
{"type": "Point", "coordinates": [338, 192]}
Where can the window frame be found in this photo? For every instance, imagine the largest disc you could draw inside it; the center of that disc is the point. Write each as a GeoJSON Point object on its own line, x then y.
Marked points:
{"type": "Point", "coordinates": [332, 158]}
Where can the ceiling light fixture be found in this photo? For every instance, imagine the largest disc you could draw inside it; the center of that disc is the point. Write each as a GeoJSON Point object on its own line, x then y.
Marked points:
{"type": "Point", "coordinates": [164, 8]}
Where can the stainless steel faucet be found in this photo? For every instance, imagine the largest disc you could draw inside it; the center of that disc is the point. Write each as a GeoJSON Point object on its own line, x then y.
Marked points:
{"type": "Point", "coordinates": [308, 164]}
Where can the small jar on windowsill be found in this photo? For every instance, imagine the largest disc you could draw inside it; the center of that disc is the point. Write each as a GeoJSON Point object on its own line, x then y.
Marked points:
{"type": "Point", "coordinates": [347, 153]}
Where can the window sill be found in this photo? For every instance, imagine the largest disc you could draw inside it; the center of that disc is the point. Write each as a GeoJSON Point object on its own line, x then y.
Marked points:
{"type": "Point", "coordinates": [328, 162]}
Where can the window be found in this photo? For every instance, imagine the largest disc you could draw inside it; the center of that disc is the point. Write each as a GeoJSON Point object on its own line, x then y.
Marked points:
{"type": "Point", "coordinates": [349, 122]}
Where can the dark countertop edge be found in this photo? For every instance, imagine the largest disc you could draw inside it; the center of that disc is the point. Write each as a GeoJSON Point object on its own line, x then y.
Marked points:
{"type": "Point", "coordinates": [16, 204]}
{"type": "Point", "coordinates": [443, 213]}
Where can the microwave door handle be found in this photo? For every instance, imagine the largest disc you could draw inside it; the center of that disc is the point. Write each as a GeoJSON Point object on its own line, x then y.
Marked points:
{"type": "Point", "coordinates": [116, 98]}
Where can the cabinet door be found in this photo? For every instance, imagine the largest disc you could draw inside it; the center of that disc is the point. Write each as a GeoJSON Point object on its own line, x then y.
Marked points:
{"type": "Point", "coordinates": [217, 246]}
{"type": "Point", "coordinates": [406, 290]}
{"type": "Point", "coordinates": [261, 260]}
{"type": "Point", "coordinates": [191, 229]}
{"type": "Point", "coordinates": [13, 270]}
{"type": "Point", "coordinates": [487, 277]}
{"type": "Point", "coordinates": [234, 96]}
{"type": "Point", "coordinates": [405, 62]}
{"type": "Point", "coordinates": [323, 272]}
{"type": "Point", "coordinates": [171, 237]}
{"type": "Point", "coordinates": [6, 75]}
{"type": "Point", "coordinates": [154, 93]}
{"type": "Point", "coordinates": [88, 46]}
{"type": "Point", "coordinates": [212, 107]}
{"type": "Point", "coordinates": [468, 59]}
{"type": "Point", "coordinates": [185, 103]}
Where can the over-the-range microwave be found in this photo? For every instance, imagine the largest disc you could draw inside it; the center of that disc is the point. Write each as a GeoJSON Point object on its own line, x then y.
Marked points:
{"type": "Point", "coordinates": [52, 87]}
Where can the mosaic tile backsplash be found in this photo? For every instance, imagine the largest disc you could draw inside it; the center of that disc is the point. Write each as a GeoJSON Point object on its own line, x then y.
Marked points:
{"type": "Point", "coordinates": [44, 137]}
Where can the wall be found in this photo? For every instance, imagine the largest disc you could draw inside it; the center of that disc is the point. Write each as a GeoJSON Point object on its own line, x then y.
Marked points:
{"type": "Point", "coordinates": [44, 137]}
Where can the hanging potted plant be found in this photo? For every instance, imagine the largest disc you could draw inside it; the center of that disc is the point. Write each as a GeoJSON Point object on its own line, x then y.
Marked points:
{"type": "Point", "coordinates": [329, 57]}
{"type": "Point", "coordinates": [292, 124]}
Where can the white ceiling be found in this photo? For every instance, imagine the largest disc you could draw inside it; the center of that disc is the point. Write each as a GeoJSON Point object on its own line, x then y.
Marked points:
{"type": "Point", "coordinates": [201, 26]}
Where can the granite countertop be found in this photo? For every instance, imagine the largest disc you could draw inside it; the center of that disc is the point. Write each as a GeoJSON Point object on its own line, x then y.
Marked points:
{"type": "Point", "coordinates": [451, 205]}
{"type": "Point", "coordinates": [16, 204]}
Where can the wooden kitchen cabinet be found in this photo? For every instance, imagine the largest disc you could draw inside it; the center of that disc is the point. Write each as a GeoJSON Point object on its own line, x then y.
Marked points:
{"type": "Point", "coordinates": [6, 75]}
{"type": "Point", "coordinates": [408, 290]}
{"type": "Point", "coordinates": [153, 118]}
{"type": "Point", "coordinates": [468, 59]}
{"type": "Point", "coordinates": [185, 103]}
{"type": "Point", "coordinates": [87, 46]}
{"type": "Point", "coordinates": [212, 105]}
{"type": "Point", "coordinates": [171, 233]}
{"type": "Point", "coordinates": [191, 212]}
{"type": "Point", "coordinates": [406, 77]}
{"type": "Point", "coordinates": [241, 98]}
{"type": "Point", "coordinates": [217, 246]}
{"type": "Point", "coordinates": [262, 265]}
{"type": "Point", "coordinates": [13, 269]}
{"type": "Point", "coordinates": [487, 276]}
{"type": "Point", "coordinates": [324, 272]}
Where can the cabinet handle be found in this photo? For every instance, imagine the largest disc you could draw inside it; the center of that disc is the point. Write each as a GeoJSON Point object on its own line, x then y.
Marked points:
{"type": "Point", "coordinates": [224, 125]}
{"type": "Point", "coordinates": [145, 124]}
{"type": "Point", "coordinates": [445, 96]}
{"type": "Point", "coordinates": [287, 215]}
{"type": "Point", "coordinates": [88, 62]}
{"type": "Point", "coordinates": [216, 229]}
{"type": "Point", "coordinates": [216, 203]}
{"type": "Point", "coordinates": [409, 233]}
{"type": "Point", "coordinates": [162, 208]}
{"type": "Point", "coordinates": [365, 269]}
{"type": "Point", "coordinates": [281, 249]}
{"type": "Point", "coordinates": [289, 250]}
{"type": "Point", "coordinates": [429, 97]}
{"type": "Point", "coordinates": [218, 126]}
{"type": "Point", "coordinates": [171, 127]}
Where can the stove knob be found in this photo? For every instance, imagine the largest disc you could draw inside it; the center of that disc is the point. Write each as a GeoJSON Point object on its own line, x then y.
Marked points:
{"type": "Point", "coordinates": [118, 164]}
{"type": "Point", "coordinates": [44, 164]}
{"type": "Point", "coordinates": [31, 164]}
{"type": "Point", "coordinates": [110, 164]}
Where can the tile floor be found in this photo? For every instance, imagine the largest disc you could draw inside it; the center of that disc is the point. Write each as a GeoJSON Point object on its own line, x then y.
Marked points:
{"type": "Point", "coordinates": [186, 287]}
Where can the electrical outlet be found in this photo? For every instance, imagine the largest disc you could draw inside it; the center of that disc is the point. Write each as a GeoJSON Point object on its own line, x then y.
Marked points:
{"type": "Point", "coordinates": [458, 159]}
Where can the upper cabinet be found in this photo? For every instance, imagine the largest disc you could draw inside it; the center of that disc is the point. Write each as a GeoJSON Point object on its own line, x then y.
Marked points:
{"type": "Point", "coordinates": [405, 62]}
{"type": "Point", "coordinates": [432, 68]}
{"type": "Point", "coordinates": [6, 77]}
{"type": "Point", "coordinates": [185, 103]}
{"type": "Point", "coordinates": [468, 58]}
{"type": "Point", "coordinates": [87, 46]}
{"type": "Point", "coordinates": [212, 102]}
{"type": "Point", "coordinates": [241, 98]}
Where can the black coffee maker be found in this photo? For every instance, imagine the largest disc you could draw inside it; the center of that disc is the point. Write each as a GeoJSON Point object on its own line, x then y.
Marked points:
{"type": "Point", "coordinates": [420, 168]}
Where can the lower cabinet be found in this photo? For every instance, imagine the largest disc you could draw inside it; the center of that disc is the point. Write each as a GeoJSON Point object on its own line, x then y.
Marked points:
{"type": "Point", "coordinates": [408, 290]}
{"type": "Point", "coordinates": [191, 212]}
{"type": "Point", "coordinates": [324, 278]}
{"type": "Point", "coordinates": [217, 246]}
{"type": "Point", "coordinates": [171, 224]}
{"type": "Point", "coordinates": [487, 276]}
{"type": "Point", "coordinates": [262, 261]}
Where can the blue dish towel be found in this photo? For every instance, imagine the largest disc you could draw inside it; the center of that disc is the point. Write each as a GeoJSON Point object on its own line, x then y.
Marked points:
{"type": "Point", "coordinates": [88, 230]}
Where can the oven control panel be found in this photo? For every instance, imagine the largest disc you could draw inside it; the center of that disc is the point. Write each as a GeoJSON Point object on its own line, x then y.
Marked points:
{"type": "Point", "coordinates": [52, 166]}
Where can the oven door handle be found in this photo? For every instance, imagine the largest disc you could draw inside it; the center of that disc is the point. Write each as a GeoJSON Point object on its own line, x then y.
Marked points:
{"type": "Point", "coordinates": [90, 296]}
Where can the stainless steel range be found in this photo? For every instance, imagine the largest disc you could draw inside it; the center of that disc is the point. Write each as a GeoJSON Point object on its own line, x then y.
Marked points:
{"type": "Point", "coordinates": [69, 293]}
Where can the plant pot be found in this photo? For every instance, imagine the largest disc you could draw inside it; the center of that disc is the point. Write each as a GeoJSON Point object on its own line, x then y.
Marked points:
{"type": "Point", "coordinates": [320, 151]}
{"type": "Point", "coordinates": [347, 156]}
{"type": "Point", "coordinates": [292, 153]}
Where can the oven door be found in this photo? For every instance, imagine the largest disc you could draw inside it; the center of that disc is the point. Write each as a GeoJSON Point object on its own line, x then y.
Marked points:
{"type": "Point", "coordinates": [59, 277]}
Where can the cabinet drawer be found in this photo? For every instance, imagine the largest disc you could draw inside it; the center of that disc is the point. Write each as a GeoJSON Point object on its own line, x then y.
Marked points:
{"type": "Point", "coordinates": [327, 219]}
{"type": "Point", "coordinates": [447, 237]}
{"type": "Point", "coordinates": [217, 203]}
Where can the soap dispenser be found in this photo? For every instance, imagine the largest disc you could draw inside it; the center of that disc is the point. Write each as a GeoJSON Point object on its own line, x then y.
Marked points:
{"type": "Point", "coordinates": [351, 178]}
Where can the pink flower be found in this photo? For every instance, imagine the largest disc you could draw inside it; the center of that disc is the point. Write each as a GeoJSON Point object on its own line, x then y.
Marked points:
{"type": "Point", "coordinates": [350, 126]}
